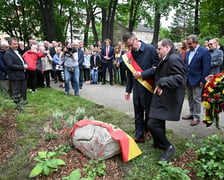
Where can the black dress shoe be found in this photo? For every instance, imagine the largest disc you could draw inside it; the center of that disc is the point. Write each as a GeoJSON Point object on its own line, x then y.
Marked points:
{"type": "Point", "coordinates": [103, 83]}
{"type": "Point", "coordinates": [167, 154]}
{"type": "Point", "coordinates": [111, 84]}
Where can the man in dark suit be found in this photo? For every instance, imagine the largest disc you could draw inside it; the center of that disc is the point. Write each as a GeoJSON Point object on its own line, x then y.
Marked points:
{"type": "Point", "coordinates": [4, 82]}
{"type": "Point", "coordinates": [107, 56]}
{"type": "Point", "coordinates": [198, 65]}
{"type": "Point", "coordinates": [146, 58]}
{"type": "Point", "coordinates": [168, 96]}
{"type": "Point", "coordinates": [16, 67]}
{"type": "Point", "coordinates": [52, 51]}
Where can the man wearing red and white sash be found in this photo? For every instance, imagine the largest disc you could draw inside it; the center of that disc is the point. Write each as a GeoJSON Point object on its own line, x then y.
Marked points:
{"type": "Point", "coordinates": [141, 60]}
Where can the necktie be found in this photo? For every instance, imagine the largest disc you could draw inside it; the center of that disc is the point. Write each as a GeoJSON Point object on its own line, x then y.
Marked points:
{"type": "Point", "coordinates": [106, 50]}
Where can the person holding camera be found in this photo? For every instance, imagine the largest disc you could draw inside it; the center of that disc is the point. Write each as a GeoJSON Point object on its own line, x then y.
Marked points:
{"type": "Point", "coordinates": [71, 69]}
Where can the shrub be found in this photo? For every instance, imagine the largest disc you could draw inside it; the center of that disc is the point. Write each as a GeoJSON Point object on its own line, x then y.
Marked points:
{"type": "Point", "coordinates": [210, 157]}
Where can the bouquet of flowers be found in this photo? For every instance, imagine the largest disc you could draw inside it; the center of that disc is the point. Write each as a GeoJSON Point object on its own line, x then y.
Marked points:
{"type": "Point", "coordinates": [213, 99]}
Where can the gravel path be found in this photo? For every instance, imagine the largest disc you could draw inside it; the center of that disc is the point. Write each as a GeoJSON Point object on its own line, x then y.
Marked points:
{"type": "Point", "coordinates": [113, 97]}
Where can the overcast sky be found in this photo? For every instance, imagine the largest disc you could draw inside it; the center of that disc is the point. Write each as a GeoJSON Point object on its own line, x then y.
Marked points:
{"type": "Point", "coordinates": [167, 22]}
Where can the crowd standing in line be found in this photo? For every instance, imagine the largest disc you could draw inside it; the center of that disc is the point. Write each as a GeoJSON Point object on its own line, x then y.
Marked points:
{"type": "Point", "coordinates": [43, 63]}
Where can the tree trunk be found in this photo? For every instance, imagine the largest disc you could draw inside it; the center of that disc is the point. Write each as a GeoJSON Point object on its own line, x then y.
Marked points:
{"type": "Point", "coordinates": [135, 6]}
{"type": "Point", "coordinates": [95, 35]}
{"type": "Point", "coordinates": [71, 25]}
{"type": "Point", "coordinates": [104, 24]}
{"type": "Point", "coordinates": [86, 31]}
{"type": "Point", "coordinates": [46, 8]}
{"type": "Point", "coordinates": [111, 24]}
{"type": "Point", "coordinates": [108, 20]}
{"type": "Point", "coordinates": [156, 26]}
{"type": "Point", "coordinates": [131, 17]}
{"type": "Point", "coordinates": [196, 25]}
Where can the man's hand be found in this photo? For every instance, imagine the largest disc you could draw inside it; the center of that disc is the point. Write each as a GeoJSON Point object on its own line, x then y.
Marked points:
{"type": "Point", "coordinates": [127, 96]}
{"type": "Point", "coordinates": [137, 74]}
{"type": "Point", "coordinates": [106, 57]}
{"type": "Point", "coordinates": [25, 66]}
{"type": "Point", "coordinates": [158, 91]}
{"type": "Point", "coordinates": [201, 84]}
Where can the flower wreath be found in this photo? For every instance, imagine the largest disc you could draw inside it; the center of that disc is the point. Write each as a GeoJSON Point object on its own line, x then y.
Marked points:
{"type": "Point", "coordinates": [213, 99]}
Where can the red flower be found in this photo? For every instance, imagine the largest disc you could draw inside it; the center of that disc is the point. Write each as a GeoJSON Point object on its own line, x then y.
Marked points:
{"type": "Point", "coordinates": [209, 100]}
{"type": "Point", "coordinates": [222, 105]}
{"type": "Point", "coordinates": [217, 110]}
{"type": "Point", "coordinates": [216, 97]}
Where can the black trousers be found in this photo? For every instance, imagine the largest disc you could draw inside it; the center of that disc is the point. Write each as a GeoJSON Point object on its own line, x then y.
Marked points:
{"type": "Point", "coordinates": [108, 65]}
{"type": "Point", "coordinates": [157, 128]}
{"type": "Point", "coordinates": [18, 88]}
{"type": "Point", "coordinates": [47, 77]}
{"type": "Point", "coordinates": [32, 79]}
{"type": "Point", "coordinates": [141, 120]}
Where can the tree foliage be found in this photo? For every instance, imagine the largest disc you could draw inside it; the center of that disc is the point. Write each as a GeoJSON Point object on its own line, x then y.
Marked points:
{"type": "Point", "coordinates": [212, 21]}
{"type": "Point", "coordinates": [62, 20]}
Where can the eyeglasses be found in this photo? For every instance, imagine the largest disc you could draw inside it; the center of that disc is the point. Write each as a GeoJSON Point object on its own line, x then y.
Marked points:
{"type": "Point", "coordinates": [210, 44]}
{"type": "Point", "coordinates": [189, 44]}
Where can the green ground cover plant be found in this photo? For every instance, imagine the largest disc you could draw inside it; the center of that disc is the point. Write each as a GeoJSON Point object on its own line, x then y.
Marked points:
{"type": "Point", "coordinates": [210, 157]}
{"type": "Point", "coordinates": [47, 162]}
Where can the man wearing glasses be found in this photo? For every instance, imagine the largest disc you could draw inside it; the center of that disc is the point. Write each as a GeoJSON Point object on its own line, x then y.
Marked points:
{"type": "Point", "coordinates": [141, 60]}
{"type": "Point", "coordinates": [198, 64]}
{"type": "Point", "coordinates": [216, 57]}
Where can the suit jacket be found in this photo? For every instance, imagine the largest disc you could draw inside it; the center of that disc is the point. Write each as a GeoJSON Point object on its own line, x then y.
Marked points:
{"type": "Point", "coordinates": [146, 57]}
{"type": "Point", "coordinates": [110, 54]}
{"type": "Point", "coordinates": [199, 67]}
{"type": "Point", "coordinates": [16, 70]}
{"type": "Point", "coordinates": [92, 61]}
{"type": "Point", "coordinates": [80, 58]}
{"type": "Point", "coordinates": [52, 51]}
{"type": "Point", "coordinates": [3, 68]}
{"type": "Point", "coordinates": [170, 75]}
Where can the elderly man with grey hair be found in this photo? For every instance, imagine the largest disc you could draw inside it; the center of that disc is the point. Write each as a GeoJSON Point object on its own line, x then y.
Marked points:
{"type": "Point", "coordinates": [216, 56]}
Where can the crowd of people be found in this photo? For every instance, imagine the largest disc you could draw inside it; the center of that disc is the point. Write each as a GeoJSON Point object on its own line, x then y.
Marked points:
{"type": "Point", "coordinates": [156, 76]}
{"type": "Point", "coordinates": [70, 64]}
